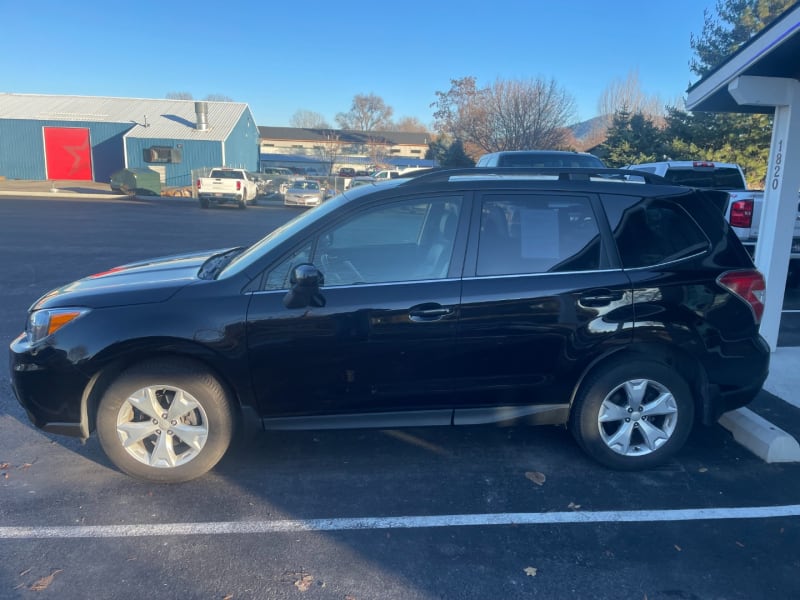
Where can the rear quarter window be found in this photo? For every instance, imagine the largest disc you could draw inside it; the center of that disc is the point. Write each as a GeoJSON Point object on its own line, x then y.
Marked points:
{"type": "Point", "coordinates": [652, 231]}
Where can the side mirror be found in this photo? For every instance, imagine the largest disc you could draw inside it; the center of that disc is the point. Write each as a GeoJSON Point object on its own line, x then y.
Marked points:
{"type": "Point", "coordinates": [306, 280]}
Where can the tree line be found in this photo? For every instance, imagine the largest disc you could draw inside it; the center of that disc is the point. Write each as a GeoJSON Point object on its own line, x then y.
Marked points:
{"type": "Point", "coordinates": [633, 126]}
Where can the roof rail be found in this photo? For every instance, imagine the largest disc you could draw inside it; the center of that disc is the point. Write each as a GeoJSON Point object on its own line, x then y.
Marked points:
{"type": "Point", "coordinates": [563, 173]}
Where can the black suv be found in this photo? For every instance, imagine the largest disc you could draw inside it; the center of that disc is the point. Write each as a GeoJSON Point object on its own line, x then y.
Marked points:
{"type": "Point", "coordinates": [625, 310]}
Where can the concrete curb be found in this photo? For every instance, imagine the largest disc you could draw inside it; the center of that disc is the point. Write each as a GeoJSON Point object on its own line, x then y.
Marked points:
{"type": "Point", "coordinates": [767, 441]}
{"type": "Point", "coordinates": [22, 194]}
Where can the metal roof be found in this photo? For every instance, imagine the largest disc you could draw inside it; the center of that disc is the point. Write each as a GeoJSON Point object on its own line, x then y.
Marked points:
{"type": "Point", "coordinates": [773, 52]}
{"type": "Point", "coordinates": [171, 119]}
{"type": "Point", "coordinates": [395, 138]}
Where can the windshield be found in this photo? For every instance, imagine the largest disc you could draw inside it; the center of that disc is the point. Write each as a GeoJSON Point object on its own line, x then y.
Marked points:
{"type": "Point", "coordinates": [295, 226]}
{"type": "Point", "coordinates": [306, 185]}
{"type": "Point", "coordinates": [549, 159]}
{"type": "Point", "coordinates": [277, 236]}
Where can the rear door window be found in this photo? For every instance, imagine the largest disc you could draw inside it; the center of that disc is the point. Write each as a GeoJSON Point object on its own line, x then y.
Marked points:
{"type": "Point", "coordinates": [525, 233]}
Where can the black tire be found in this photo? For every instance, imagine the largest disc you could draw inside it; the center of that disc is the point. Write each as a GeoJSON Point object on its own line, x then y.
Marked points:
{"type": "Point", "coordinates": [188, 437]}
{"type": "Point", "coordinates": [627, 438]}
{"type": "Point", "coordinates": [242, 203]}
{"type": "Point", "coordinates": [203, 203]}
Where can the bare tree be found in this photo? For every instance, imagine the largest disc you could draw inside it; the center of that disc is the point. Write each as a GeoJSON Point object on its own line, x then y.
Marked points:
{"type": "Point", "coordinates": [459, 109]}
{"type": "Point", "coordinates": [509, 115]}
{"type": "Point", "coordinates": [409, 125]}
{"type": "Point", "coordinates": [179, 96]}
{"type": "Point", "coordinates": [308, 119]}
{"type": "Point", "coordinates": [378, 149]}
{"type": "Point", "coordinates": [330, 148]}
{"type": "Point", "coordinates": [218, 98]}
{"type": "Point", "coordinates": [627, 94]}
{"type": "Point", "coordinates": [367, 113]}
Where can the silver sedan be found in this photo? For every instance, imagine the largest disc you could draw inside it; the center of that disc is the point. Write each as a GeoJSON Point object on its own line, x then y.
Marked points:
{"type": "Point", "coordinates": [303, 192]}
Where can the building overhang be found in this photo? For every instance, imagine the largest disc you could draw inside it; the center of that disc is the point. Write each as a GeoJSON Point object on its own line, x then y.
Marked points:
{"type": "Point", "coordinates": [773, 52]}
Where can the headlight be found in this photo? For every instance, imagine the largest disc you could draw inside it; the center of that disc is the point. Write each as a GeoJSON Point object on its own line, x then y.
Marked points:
{"type": "Point", "coordinates": [45, 322]}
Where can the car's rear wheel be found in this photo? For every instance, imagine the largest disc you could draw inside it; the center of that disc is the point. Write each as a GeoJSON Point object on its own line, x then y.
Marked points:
{"type": "Point", "coordinates": [242, 203]}
{"type": "Point", "coordinates": [632, 415]}
{"type": "Point", "coordinates": [203, 203]}
{"type": "Point", "coordinates": [166, 421]}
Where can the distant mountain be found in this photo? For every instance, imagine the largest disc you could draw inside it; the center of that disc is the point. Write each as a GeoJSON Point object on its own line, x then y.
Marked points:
{"type": "Point", "coordinates": [585, 128]}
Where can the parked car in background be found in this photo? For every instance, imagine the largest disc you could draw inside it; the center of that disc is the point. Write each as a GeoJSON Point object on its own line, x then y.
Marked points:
{"type": "Point", "coordinates": [624, 311]}
{"type": "Point", "coordinates": [385, 174]}
{"type": "Point", "coordinates": [358, 181]}
{"type": "Point", "coordinates": [279, 179]}
{"type": "Point", "coordinates": [540, 158]}
{"type": "Point", "coordinates": [262, 183]}
{"type": "Point", "coordinates": [303, 192]}
{"type": "Point", "coordinates": [347, 172]}
{"type": "Point", "coordinates": [224, 185]}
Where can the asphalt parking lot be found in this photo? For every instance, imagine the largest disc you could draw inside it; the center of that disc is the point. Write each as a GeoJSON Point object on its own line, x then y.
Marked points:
{"type": "Point", "coordinates": [474, 512]}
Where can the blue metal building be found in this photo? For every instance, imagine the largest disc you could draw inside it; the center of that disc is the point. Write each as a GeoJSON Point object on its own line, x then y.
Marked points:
{"type": "Point", "coordinates": [88, 138]}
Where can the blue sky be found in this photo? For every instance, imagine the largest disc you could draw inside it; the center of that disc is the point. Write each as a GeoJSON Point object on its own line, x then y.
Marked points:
{"type": "Point", "coordinates": [281, 56]}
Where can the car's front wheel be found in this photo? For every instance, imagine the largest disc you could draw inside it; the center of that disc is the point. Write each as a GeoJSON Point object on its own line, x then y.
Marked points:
{"type": "Point", "coordinates": [166, 421]}
{"type": "Point", "coordinates": [633, 414]}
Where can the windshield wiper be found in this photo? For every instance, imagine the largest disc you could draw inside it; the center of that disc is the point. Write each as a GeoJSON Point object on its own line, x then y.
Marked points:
{"type": "Point", "coordinates": [214, 264]}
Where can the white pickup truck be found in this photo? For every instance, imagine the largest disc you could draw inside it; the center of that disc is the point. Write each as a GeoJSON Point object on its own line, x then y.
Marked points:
{"type": "Point", "coordinates": [744, 206]}
{"type": "Point", "coordinates": [224, 185]}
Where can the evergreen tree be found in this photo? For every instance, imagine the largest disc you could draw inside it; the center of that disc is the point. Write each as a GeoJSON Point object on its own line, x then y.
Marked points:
{"type": "Point", "coordinates": [632, 139]}
{"type": "Point", "coordinates": [456, 157]}
{"type": "Point", "coordinates": [736, 22]}
{"type": "Point", "coordinates": [726, 137]}
{"type": "Point", "coordinates": [450, 155]}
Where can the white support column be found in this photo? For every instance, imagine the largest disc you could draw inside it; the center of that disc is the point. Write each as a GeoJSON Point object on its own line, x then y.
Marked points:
{"type": "Point", "coordinates": [781, 187]}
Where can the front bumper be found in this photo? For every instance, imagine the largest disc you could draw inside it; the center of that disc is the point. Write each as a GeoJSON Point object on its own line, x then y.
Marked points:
{"type": "Point", "coordinates": [294, 201]}
{"type": "Point", "coordinates": [49, 387]}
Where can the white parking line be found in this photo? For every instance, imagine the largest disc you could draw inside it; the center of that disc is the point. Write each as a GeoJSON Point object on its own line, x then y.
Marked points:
{"type": "Point", "coordinates": [367, 523]}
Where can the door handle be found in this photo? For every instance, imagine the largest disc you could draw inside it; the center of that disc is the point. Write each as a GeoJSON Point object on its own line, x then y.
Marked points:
{"type": "Point", "coordinates": [597, 298]}
{"type": "Point", "coordinates": [428, 312]}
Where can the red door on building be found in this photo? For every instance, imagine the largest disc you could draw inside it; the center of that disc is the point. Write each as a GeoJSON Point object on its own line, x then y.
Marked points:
{"type": "Point", "coordinates": [68, 153]}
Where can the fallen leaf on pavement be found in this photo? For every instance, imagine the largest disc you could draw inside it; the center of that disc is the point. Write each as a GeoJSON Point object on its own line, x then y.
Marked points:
{"type": "Point", "coordinates": [531, 571]}
{"type": "Point", "coordinates": [678, 548]}
{"type": "Point", "coordinates": [4, 466]}
{"type": "Point", "coordinates": [304, 583]}
{"type": "Point", "coordinates": [740, 544]}
{"type": "Point", "coordinates": [536, 477]}
{"type": "Point", "coordinates": [228, 597]}
{"type": "Point", "coordinates": [702, 470]}
{"type": "Point", "coordinates": [573, 506]}
{"type": "Point", "coordinates": [43, 583]}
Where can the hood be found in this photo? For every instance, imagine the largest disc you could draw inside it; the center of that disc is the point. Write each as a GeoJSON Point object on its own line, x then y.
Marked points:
{"type": "Point", "coordinates": [143, 282]}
